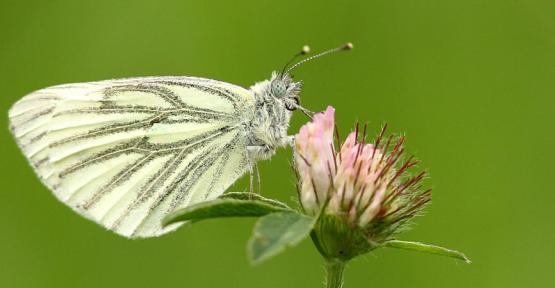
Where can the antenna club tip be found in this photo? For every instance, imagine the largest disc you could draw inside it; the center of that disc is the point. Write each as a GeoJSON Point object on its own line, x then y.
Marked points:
{"type": "Point", "coordinates": [305, 49]}
{"type": "Point", "coordinates": [348, 46]}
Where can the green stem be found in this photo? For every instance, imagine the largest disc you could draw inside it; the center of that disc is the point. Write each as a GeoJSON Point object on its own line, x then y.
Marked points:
{"type": "Point", "coordinates": [334, 273]}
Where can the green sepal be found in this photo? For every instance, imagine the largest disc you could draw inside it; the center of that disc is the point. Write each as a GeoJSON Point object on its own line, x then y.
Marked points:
{"type": "Point", "coordinates": [253, 196]}
{"type": "Point", "coordinates": [426, 248]}
{"type": "Point", "coordinates": [275, 232]}
{"type": "Point", "coordinates": [223, 207]}
{"type": "Point", "coordinates": [338, 240]}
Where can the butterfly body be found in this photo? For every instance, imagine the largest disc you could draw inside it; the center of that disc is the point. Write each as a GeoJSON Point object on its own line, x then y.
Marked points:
{"type": "Point", "coordinates": [127, 152]}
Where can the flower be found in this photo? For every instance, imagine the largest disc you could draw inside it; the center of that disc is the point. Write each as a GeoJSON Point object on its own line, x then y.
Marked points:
{"type": "Point", "coordinates": [363, 186]}
{"type": "Point", "coordinates": [314, 147]}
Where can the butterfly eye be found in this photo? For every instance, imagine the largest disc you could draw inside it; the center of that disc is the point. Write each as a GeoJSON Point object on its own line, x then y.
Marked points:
{"type": "Point", "coordinates": [292, 107]}
{"type": "Point", "coordinates": [278, 88]}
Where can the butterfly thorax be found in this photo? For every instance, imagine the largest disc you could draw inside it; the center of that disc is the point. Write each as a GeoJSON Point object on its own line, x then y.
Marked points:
{"type": "Point", "coordinates": [273, 113]}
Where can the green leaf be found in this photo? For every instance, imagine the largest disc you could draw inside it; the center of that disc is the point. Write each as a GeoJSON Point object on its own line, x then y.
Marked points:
{"type": "Point", "coordinates": [221, 208]}
{"type": "Point", "coordinates": [253, 196]}
{"type": "Point", "coordinates": [426, 248]}
{"type": "Point", "coordinates": [275, 232]}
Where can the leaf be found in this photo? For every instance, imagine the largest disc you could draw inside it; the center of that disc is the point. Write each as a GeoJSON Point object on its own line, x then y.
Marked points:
{"type": "Point", "coordinates": [427, 248]}
{"type": "Point", "coordinates": [253, 196]}
{"type": "Point", "coordinates": [219, 208]}
{"type": "Point", "coordinates": [275, 232]}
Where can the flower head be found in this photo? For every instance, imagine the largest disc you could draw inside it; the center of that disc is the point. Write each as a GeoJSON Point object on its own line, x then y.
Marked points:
{"type": "Point", "coordinates": [367, 186]}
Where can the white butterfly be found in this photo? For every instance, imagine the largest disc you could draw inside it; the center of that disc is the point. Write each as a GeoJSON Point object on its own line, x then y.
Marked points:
{"type": "Point", "coordinates": [127, 152]}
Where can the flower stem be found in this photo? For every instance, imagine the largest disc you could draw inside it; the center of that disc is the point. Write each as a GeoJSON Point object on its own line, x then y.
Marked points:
{"type": "Point", "coordinates": [334, 273]}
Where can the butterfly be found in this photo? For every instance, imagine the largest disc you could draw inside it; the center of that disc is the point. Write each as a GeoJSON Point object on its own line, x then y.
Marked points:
{"type": "Point", "coordinates": [125, 153]}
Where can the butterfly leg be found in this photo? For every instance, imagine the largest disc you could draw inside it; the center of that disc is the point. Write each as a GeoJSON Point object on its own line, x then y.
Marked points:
{"type": "Point", "coordinates": [251, 175]}
{"type": "Point", "coordinates": [255, 153]}
{"type": "Point", "coordinates": [258, 178]}
{"type": "Point", "coordinates": [252, 152]}
{"type": "Point", "coordinates": [290, 140]}
{"type": "Point", "coordinates": [251, 182]}
{"type": "Point", "coordinates": [253, 168]}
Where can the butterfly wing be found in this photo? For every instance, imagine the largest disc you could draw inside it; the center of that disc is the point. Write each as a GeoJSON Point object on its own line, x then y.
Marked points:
{"type": "Point", "coordinates": [124, 153]}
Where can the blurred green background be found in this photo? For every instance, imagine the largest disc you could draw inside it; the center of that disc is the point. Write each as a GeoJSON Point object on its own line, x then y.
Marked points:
{"type": "Point", "coordinates": [471, 83]}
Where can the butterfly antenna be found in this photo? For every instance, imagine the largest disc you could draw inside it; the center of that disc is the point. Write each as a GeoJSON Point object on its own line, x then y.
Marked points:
{"type": "Point", "coordinates": [305, 50]}
{"type": "Point", "coordinates": [347, 46]}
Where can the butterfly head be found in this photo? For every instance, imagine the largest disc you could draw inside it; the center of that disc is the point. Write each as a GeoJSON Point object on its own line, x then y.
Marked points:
{"type": "Point", "coordinates": [283, 88]}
